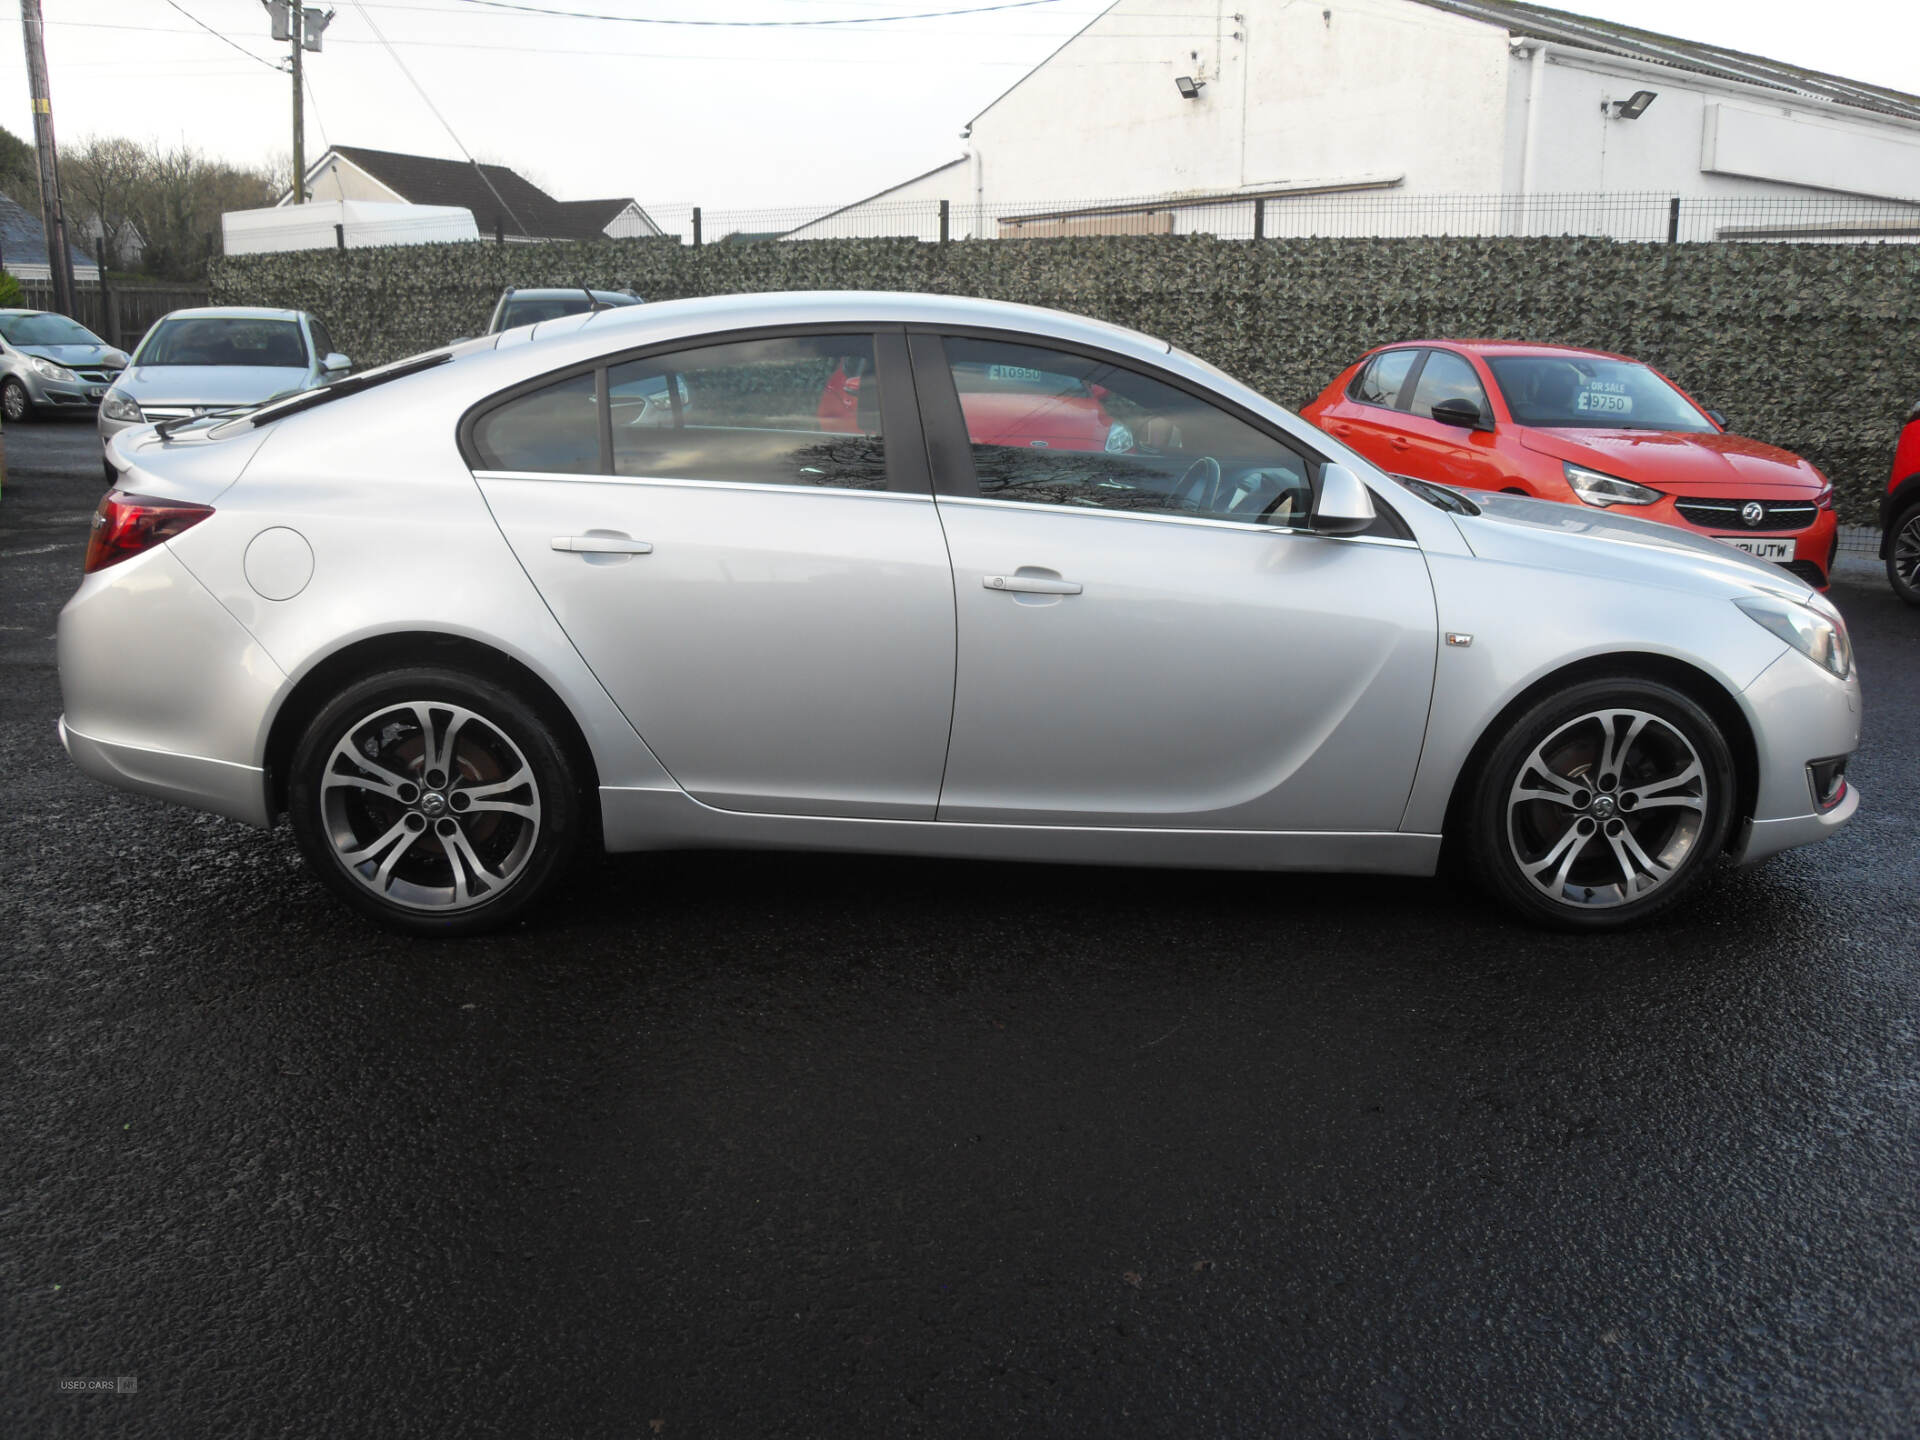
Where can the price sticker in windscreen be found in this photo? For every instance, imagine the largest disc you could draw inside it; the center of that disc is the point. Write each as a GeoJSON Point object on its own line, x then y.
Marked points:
{"type": "Point", "coordinates": [1604, 397]}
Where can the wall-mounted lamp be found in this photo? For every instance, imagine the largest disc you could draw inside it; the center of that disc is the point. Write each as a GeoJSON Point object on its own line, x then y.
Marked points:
{"type": "Point", "coordinates": [1188, 87]}
{"type": "Point", "coordinates": [1635, 105]}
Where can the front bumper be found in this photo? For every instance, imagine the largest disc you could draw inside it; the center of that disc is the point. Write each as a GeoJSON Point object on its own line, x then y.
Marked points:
{"type": "Point", "coordinates": [75, 395]}
{"type": "Point", "coordinates": [1812, 547]}
{"type": "Point", "coordinates": [1801, 714]}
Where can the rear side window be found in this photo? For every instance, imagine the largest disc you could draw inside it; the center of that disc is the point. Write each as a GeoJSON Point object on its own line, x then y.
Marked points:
{"type": "Point", "coordinates": [793, 410]}
{"type": "Point", "coordinates": [1381, 380]}
{"type": "Point", "coordinates": [555, 429]}
{"type": "Point", "coordinates": [1447, 376]}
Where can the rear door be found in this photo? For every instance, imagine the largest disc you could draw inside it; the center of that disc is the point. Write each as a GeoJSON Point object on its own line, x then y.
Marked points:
{"type": "Point", "coordinates": [1371, 417]}
{"type": "Point", "coordinates": [1148, 635]}
{"type": "Point", "coordinates": [759, 581]}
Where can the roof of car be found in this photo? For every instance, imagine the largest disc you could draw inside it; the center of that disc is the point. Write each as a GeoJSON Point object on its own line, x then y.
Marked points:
{"type": "Point", "coordinates": [1505, 347]}
{"type": "Point", "coordinates": [560, 292]}
{"type": "Point", "coordinates": [235, 312]}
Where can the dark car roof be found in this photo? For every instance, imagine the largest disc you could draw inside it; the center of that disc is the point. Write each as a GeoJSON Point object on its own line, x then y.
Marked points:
{"type": "Point", "coordinates": [1506, 347]}
{"type": "Point", "coordinates": [561, 292]}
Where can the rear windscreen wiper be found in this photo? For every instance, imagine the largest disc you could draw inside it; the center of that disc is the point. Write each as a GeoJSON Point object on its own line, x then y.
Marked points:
{"type": "Point", "coordinates": [352, 384]}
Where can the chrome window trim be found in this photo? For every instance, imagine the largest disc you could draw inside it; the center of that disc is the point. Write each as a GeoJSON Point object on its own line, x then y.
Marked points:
{"type": "Point", "coordinates": [669, 483]}
{"type": "Point", "coordinates": [1094, 512]}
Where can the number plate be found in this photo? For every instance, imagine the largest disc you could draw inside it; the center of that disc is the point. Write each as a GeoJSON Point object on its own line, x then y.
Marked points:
{"type": "Point", "coordinates": [1759, 549]}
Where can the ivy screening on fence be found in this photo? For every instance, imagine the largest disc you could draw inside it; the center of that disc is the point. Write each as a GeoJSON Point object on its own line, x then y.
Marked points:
{"type": "Point", "coordinates": [1806, 346]}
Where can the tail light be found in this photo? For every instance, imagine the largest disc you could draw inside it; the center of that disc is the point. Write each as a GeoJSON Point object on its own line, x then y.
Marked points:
{"type": "Point", "coordinates": [125, 525]}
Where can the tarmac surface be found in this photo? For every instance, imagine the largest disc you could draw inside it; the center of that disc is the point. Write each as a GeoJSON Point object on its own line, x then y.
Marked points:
{"type": "Point", "coordinates": [722, 1145]}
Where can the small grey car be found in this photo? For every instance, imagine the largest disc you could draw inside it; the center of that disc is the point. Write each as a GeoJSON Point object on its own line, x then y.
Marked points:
{"type": "Point", "coordinates": [922, 575]}
{"type": "Point", "coordinates": [49, 363]}
{"type": "Point", "coordinates": [202, 361]}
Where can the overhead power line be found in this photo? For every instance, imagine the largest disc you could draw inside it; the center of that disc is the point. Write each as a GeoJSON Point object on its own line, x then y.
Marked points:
{"type": "Point", "coordinates": [226, 39]}
{"type": "Point", "coordinates": [753, 24]}
{"type": "Point", "coordinates": [427, 100]}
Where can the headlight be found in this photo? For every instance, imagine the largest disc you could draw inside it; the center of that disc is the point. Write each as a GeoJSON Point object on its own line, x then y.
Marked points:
{"type": "Point", "coordinates": [1817, 633]}
{"type": "Point", "coordinates": [1119, 439]}
{"type": "Point", "coordinates": [1604, 490]}
{"type": "Point", "coordinates": [118, 405]}
{"type": "Point", "coordinates": [50, 370]}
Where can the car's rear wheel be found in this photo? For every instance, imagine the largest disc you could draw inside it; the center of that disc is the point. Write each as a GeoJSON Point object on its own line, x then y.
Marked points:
{"type": "Point", "coordinates": [433, 801]}
{"type": "Point", "coordinates": [1602, 805]}
{"type": "Point", "coordinates": [1903, 554]}
{"type": "Point", "coordinates": [15, 403]}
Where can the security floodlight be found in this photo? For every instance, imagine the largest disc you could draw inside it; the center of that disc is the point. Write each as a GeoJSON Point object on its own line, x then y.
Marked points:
{"type": "Point", "coordinates": [279, 15]}
{"type": "Point", "coordinates": [313, 25]}
{"type": "Point", "coordinates": [1634, 106]}
{"type": "Point", "coordinates": [1188, 87]}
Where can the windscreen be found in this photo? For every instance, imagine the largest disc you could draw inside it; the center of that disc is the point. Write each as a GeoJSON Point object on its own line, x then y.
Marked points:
{"type": "Point", "coordinates": [46, 330]}
{"type": "Point", "coordinates": [1586, 392]}
{"type": "Point", "coordinates": [225, 340]}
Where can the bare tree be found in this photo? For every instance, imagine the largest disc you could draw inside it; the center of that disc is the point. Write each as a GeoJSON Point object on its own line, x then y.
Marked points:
{"type": "Point", "coordinates": [101, 178]}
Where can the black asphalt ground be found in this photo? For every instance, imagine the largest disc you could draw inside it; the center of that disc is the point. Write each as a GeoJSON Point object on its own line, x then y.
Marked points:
{"type": "Point", "coordinates": [769, 1146]}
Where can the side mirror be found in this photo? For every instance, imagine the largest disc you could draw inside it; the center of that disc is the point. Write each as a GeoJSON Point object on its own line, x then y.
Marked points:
{"type": "Point", "coordinates": [1344, 505]}
{"type": "Point", "coordinates": [1717, 418]}
{"type": "Point", "coordinates": [336, 363]}
{"type": "Point", "coordinates": [1463, 413]}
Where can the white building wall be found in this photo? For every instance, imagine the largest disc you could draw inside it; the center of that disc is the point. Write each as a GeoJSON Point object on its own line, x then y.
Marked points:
{"type": "Point", "coordinates": [631, 224]}
{"type": "Point", "coordinates": [1702, 138]}
{"type": "Point", "coordinates": [338, 179]}
{"type": "Point", "coordinates": [909, 209]}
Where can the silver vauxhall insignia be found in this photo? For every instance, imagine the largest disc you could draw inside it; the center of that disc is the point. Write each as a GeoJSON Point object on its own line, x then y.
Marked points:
{"type": "Point", "coordinates": [924, 575]}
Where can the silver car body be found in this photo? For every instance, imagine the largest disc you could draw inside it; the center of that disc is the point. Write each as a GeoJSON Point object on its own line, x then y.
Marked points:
{"type": "Point", "coordinates": [172, 392]}
{"type": "Point", "coordinates": [89, 369]}
{"type": "Point", "coordinates": [833, 669]}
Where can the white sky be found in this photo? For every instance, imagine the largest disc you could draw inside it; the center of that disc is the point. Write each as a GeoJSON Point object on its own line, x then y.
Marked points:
{"type": "Point", "coordinates": [712, 116]}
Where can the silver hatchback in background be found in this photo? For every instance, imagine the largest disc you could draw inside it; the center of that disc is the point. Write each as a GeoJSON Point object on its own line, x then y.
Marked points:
{"type": "Point", "coordinates": [50, 363]}
{"type": "Point", "coordinates": [201, 361]}
{"type": "Point", "coordinates": [925, 575]}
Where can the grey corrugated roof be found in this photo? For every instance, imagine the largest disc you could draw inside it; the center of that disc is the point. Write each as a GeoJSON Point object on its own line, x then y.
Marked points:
{"type": "Point", "coordinates": [24, 240]}
{"type": "Point", "coordinates": [1536, 22]}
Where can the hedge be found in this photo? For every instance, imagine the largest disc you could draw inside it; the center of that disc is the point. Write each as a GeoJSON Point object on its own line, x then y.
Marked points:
{"type": "Point", "coordinates": [1810, 347]}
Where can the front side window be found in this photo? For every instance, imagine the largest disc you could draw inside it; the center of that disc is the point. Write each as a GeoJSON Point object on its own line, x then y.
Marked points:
{"type": "Point", "coordinates": [1589, 392]}
{"type": "Point", "coordinates": [794, 410]}
{"type": "Point", "coordinates": [1381, 380]}
{"type": "Point", "coordinates": [1447, 376]}
{"type": "Point", "coordinates": [1050, 428]}
{"type": "Point", "coordinates": [322, 341]}
{"type": "Point", "coordinates": [225, 340]}
{"type": "Point", "coordinates": [555, 429]}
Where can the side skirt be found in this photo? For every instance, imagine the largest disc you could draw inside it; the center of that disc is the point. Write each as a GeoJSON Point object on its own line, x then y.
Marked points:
{"type": "Point", "coordinates": [674, 820]}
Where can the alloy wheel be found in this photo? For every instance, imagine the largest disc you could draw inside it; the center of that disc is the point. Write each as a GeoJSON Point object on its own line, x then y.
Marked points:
{"type": "Point", "coordinates": [1607, 808]}
{"type": "Point", "coordinates": [13, 401]}
{"type": "Point", "coordinates": [1906, 552]}
{"type": "Point", "coordinates": [430, 806]}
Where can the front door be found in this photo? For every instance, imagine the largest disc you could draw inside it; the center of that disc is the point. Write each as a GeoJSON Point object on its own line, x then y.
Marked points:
{"type": "Point", "coordinates": [752, 566]}
{"type": "Point", "coordinates": [1148, 636]}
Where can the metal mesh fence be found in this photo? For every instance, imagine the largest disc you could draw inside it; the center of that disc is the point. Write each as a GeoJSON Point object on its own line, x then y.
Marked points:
{"type": "Point", "coordinates": [1643, 217]}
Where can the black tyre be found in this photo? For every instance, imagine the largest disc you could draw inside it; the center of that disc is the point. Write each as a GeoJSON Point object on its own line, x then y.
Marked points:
{"type": "Point", "coordinates": [1601, 805]}
{"type": "Point", "coordinates": [433, 801]}
{"type": "Point", "coordinates": [1903, 554]}
{"type": "Point", "coordinates": [15, 404]}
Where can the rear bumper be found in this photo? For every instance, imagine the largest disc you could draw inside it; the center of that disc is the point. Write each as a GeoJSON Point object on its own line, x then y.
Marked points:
{"type": "Point", "coordinates": [221, 786]}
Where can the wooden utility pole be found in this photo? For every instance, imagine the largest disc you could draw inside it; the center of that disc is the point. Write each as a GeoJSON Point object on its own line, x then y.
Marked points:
{"type": "Point", "coordinates": [295, 12]}
{"type": "Point", "coordinates": [53, 218]}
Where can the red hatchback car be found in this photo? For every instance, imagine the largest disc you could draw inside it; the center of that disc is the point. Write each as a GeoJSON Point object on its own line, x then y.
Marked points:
{"type": "Point", "coordinates": [1900, 514]}
{"type": "Point", "coordinates": [1584, 427]}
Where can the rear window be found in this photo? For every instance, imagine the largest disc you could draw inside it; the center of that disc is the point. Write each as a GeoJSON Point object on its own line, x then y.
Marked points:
{"type": "Point", "coordinates": [1382, 378]}
{"type": "Point", "coordinates": [532, 312]}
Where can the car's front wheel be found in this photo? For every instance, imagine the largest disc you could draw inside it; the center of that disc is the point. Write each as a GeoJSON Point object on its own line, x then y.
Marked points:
{"type": "Point", "coordinates": [15, 403]}
{"type": "Point", "coordinates": [433, 801]}
{"type": "Point", "coordinates": [1602, 805]}
{"type": "Point", "coordinates": [1903, 554]}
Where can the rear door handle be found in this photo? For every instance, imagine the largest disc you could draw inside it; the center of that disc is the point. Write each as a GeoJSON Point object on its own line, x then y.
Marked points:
{"type": "Point", "coordinates": [1031, 584]}
{"type": "Point", "coordinates": [601, 545]}
{"type": "Point", "coordinates": [1399, 442]}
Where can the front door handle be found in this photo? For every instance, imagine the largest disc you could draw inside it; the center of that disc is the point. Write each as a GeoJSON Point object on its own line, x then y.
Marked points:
{"type": "Point", "coordinates": [1398, 442]}
{"type": "Point", "coordinates": [601, 545]}
{"type": "Point", "coordinates": [1031, 584]}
